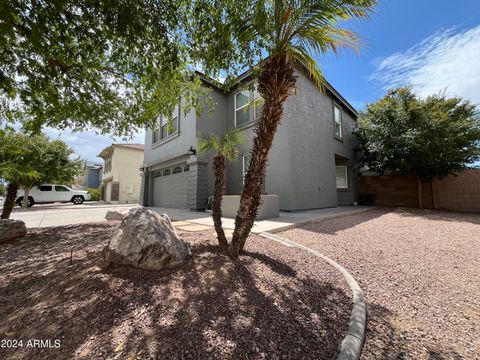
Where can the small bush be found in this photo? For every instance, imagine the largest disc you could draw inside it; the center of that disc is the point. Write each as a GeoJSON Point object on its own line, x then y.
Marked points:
{"type": "Point", "coordinates": [95, 193]}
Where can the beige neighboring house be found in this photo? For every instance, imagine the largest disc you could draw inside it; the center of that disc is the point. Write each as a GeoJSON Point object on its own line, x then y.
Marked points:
{"type": "Point", "coordinates": [121, 178]}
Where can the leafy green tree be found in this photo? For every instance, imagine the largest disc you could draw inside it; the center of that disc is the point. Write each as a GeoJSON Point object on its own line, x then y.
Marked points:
{"type": "Point", "coordinates": [226, 150]}
{"type": "Point", "coordinates": [109, 65]}
{"type": "Point", "coordinates": [288, 33]}
{"type": "Point", "coordinates": [27, 161]}
{"type": "Point", "coordinates": [115, 66]}
{"type": "Point", "coordinates": [405, 135]}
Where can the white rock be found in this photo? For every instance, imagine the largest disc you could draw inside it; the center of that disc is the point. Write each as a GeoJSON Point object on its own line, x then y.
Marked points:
{"type": "Point", "coordinates": [11, 229]}
{"type": "Point", "coordinates": [116, 214]}
{"type": "Point", "coordinates": [146, 240]}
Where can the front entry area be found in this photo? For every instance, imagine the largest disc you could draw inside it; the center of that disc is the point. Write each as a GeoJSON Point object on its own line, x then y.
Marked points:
{"type": "Point", "coordinates": [170, 187]}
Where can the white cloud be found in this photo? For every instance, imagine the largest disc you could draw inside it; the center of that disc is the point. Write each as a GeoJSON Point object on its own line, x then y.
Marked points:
{"type": "Point", "coordinates": [87, 144]}
{"type": "Point", "coordinates": [448, 61]}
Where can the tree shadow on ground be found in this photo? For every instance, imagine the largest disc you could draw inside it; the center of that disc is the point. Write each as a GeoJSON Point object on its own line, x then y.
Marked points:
{"type": "Point", "coordinates": [213, 307]}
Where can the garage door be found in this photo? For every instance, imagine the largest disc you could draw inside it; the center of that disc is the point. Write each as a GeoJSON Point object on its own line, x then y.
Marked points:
{"type": "Point", "coordinates": [170, 187]}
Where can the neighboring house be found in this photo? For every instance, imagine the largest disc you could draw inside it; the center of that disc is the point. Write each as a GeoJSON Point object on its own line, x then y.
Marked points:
{"type": "Point", "coordinates": [310, 163]}
{"type": "Point", "coordinates": [121, 179]}
{"type": "Point", "coordinates": [91, 177]}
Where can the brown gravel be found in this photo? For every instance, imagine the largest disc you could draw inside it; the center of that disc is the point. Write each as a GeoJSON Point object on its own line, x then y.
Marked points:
{"type": "Point", "coordinates": [275, 302]}
{"type": "Point", "coordinates": [420, 274]}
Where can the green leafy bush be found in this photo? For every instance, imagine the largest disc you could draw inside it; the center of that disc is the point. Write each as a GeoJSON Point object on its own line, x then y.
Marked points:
{"type": "Point", "coordinates": [95, 193]}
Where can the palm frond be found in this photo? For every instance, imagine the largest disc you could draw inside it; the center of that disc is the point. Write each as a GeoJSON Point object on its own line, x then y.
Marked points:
{"type": "Point", "coordinates": [303, 57]}
{"type": "Point", "coordinates": [207, 142]}
{"type": "Point", "coordinates": [229, 143]}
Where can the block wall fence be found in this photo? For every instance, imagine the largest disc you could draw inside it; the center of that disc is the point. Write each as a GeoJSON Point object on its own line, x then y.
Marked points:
{"type": "Point", "coordinates": [455, 193]}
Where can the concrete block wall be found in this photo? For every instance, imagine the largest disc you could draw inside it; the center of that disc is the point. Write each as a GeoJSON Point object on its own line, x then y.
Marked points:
{"type": "Point", "coordinates": [455, 193]}
{"type": "Point", "coordinates": [459, 193]}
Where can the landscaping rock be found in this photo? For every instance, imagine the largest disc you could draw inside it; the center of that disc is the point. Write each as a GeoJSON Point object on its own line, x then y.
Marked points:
{"type": "Point", "coordinates": [11, 230]}
{"type": "Point", "coordinates": [146, 240]}
{"type": "Point", "coordinates": [116, 214]}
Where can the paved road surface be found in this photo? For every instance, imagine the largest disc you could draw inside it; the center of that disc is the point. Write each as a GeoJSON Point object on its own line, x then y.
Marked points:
{"type": "Point", "coordinates": [64, 214]}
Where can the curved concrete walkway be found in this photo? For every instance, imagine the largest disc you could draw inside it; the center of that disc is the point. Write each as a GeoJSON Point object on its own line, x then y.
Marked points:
{"type": "Point", "coordinates": [351, 346]}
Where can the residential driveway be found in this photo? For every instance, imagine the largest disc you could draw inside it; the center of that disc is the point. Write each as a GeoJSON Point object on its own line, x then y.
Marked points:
{"type": "Point", "coordinates": [64, 214]}
{"type": "Point", "coordinates": [420, 271]}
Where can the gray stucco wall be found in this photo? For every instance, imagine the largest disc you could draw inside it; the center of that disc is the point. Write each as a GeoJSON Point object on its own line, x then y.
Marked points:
{"type": "Point", "coordinates": [301, 166]}
{"type": "Point", "coordinates": [302, 160]}
{"type": "Point", "coordinates": [312, 154]}
{"type": "Point", "coordinates": [277, 180]}
{"type": "Point", "coordinates": [175, 146]}
{"type": "Point", "coordinates": [211, 123]}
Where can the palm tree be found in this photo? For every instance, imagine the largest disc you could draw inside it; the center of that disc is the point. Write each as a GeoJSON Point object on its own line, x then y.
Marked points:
{"type": "Point", "coordinates": [294, 31]}
{"type": "Point", "coordinates": [226, 150]}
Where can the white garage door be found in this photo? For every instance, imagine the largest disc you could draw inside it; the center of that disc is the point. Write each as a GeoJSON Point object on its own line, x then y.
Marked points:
{"type": "Point", "coordinates": [170, 187]}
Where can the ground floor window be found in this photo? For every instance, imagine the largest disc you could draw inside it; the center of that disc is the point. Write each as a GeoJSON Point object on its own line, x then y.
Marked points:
{"type": "Point", "coordinates": [342, 179]}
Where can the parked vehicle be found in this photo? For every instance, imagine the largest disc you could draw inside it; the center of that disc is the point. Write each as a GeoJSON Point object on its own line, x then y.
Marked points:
{"type": "Point", "coordinates": [50, 193]}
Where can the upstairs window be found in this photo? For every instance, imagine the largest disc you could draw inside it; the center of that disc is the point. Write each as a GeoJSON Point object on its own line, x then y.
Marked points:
{"type": "Point", "coordinates": [108, 165]}
{"type": "Point", "coordinates": [341, 174]}
{"type": "Point", "coordinates": [166, 127]}
{"type": "Point", "coordinates": [245, 110]}
{"type": "Point", "coordinates": [242, 111]}
{"type": "Point", "coordinates": [177, 170]}
{"type": "Point", "coordinates": [337, 115]}
{"type": "Point", "coordinates": [166, 172]}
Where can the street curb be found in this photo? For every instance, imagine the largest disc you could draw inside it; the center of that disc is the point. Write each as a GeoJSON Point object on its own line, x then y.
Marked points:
{"type": "Point", "coordinates": [329, 217]}
{"type": "Point", "coordinates": [352, 343]}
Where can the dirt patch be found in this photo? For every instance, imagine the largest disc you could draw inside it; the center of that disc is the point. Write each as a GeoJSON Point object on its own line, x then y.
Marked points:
{"type": "Point", "coordinates": [420, 274]}
{"type": "Point", "coordinates": [274, 302]}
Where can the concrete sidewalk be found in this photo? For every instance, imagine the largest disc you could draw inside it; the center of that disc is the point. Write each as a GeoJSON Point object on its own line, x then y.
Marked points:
{"type": "Point", "coordinates": [283, 222]}
{"type": "Point", "coordinates": [68, 214]}
{"type": "Point", "coordinates": [64, 214]}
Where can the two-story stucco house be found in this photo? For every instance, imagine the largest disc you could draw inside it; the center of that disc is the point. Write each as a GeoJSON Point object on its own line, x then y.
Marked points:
{"type": "Point", "coordinates": [121, 178]}
{"type": "Point", "coordinates": [309, 163]}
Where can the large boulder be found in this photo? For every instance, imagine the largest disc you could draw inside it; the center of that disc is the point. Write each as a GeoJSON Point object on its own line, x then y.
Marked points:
{"type": "Point", "coordinates": [146, 240]}
{"type": "Point", "coordinates": [11, 229]}
{"type": "Point", "coordinates": [116, 214]}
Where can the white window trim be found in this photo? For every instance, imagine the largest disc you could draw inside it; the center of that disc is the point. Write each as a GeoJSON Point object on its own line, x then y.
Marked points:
{"type": "Point", "coordinates": [346, 176]}
{"type": "Point", "coordinates": [161, 123]}
{"type": "Point", "coordinates": [240, 108]}
{"type": "Point", "coordinates": [256, 95]}
{"type": "Point", "coordinates": [335, 106]}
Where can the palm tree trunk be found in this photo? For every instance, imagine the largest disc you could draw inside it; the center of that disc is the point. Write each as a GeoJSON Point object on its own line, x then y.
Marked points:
{"type": "Point", "coordinates": [275, 83]}
{"type": "Point", "coordinates": [219, 170]}
{"type": "Point", "coordinates": [9, 200]}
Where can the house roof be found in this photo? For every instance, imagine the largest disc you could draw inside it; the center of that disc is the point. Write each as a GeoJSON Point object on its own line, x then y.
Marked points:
{"type": "Point", "coordinates": [109, 149]}
{"type": "Point", "coordinates": [247, 74]}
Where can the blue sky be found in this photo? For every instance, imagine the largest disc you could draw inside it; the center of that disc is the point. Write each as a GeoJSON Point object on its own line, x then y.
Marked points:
{"type": "Point", "coordinates": [434, 46]}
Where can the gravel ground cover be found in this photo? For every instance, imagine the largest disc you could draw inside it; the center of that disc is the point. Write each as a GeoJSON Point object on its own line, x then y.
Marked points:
{"type": "Point", "coordinates": [275, 302]}
{"type": "Point", "coordinates": [420, 271]}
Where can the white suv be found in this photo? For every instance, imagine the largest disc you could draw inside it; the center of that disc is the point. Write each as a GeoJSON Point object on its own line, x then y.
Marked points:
{"type": "Point", "coordinates": [49, 193]}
